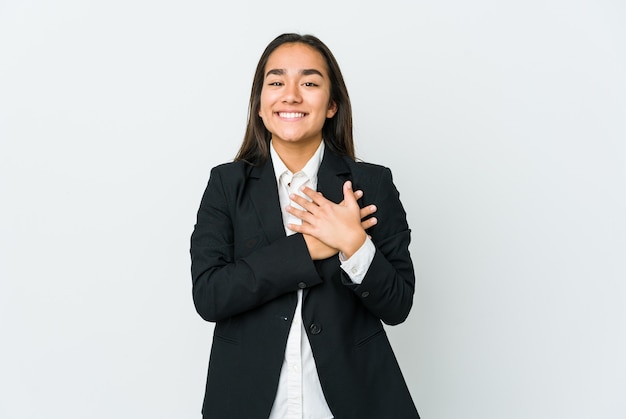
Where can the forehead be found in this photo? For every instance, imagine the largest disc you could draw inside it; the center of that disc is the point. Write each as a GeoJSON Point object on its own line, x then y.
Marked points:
{"type": "Point", "coordinates": [294, 57]}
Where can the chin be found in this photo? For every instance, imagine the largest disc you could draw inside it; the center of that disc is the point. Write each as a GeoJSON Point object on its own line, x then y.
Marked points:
{"type": "Point", "coordinates": [291, 138]}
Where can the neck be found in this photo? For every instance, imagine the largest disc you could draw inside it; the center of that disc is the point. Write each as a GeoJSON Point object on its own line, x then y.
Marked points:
{"type": "Point", "coordinates": [296, 156]}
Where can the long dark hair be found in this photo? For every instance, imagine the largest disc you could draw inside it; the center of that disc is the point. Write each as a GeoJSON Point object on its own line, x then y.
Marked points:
{"type": "Point", "coordinates": [337, 131]}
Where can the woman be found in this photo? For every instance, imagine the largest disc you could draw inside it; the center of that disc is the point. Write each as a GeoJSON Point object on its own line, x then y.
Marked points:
{"type": "Point", "coordinates": [297, 276]}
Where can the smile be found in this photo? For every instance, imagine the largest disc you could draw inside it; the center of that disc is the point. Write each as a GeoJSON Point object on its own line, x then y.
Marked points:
{"type": "Point", "coordinates": [291, 115]}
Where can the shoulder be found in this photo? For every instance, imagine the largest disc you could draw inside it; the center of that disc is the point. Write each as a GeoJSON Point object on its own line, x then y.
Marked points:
{"type": "Point", "coordinates": [226, 181]}
{"type": "Point", "coordinates": [339, 163]}
{"type": "Point", "coordinates": [226, 177]}
{"type": "Point", "coordinates": [233, 172]}
{"type": "Point", "coordinates": [369, 172]}
{"type": "Point", "coordinates": [231, 168]}
{"type": "Point", "coordinates": [367, 167]}
{"type": "Point", "coordinates": [361, 172]}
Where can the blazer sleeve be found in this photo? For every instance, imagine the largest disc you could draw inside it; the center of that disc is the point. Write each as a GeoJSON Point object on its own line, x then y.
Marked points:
{"type": "Point", "coordinates": [389, 284]}
{"type": "Point", "coordinates": [223, 285]}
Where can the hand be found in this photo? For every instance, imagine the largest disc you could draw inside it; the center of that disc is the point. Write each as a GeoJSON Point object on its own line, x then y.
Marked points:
{"type": "Point", "coordinates": [338, 226]}
{"type": "Point", "coordinates": [318, 250]}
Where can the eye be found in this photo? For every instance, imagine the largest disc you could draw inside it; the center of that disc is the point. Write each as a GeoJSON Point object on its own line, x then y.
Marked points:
{"type": "Point", "coordinates": [310, 84]}
{"type": "Point", "coordinates": [275, 83]}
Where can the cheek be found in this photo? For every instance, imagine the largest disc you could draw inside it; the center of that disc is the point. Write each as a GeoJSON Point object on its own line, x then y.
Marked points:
{"type": "Point", "coordinates": [262, 108]}
{"type": "Point", "coordinates": [264, 104]}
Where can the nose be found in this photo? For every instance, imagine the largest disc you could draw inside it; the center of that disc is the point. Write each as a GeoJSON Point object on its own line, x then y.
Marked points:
{"type": "Point", "coordinates": [292, 93]}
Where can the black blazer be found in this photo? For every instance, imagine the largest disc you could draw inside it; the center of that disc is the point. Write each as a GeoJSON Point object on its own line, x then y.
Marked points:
{"type": "Point", "coordinates": [246, 272]}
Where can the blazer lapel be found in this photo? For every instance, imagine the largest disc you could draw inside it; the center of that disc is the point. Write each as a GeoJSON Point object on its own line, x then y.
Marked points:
{"type": "Point", "coordinates": [264, 194]}
{"type": "Point", "coordinates": [331, 176]}
{"type": "Point", "coordinates": [333, 172]}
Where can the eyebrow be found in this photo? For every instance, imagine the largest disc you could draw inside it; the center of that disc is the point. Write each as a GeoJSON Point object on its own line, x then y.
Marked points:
{"type": "Point", "coordinates": [305, 72]}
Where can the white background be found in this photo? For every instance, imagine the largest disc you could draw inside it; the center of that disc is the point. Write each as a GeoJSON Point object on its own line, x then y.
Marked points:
{"type": "Point", "coordinates": [504, 126]}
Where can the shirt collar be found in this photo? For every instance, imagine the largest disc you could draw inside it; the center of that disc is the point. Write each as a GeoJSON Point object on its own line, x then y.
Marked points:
{"type": "Point", "coordinates": [310, 169]}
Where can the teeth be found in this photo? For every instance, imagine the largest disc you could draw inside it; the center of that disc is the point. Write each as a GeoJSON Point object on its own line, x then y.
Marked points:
{"type": "Point", "coordinates": [291, 114]}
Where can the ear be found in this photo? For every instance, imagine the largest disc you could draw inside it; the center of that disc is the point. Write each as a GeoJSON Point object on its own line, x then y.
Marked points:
{"type": "Point", "coordinates": [332, 110]}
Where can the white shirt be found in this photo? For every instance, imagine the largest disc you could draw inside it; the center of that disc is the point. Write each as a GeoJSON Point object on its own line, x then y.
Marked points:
{"type": "Point", "coordinates": [299, 394]}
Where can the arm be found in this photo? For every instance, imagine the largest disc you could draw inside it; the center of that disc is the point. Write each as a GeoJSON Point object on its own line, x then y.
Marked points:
{"type": "Point", "coordinates": [224, 286]}
{"type": "Point", "coordinates": [388, 286]}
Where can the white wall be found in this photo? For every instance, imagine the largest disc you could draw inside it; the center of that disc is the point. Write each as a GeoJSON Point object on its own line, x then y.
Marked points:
{"type": "Point", "coordinates": [503, 123]}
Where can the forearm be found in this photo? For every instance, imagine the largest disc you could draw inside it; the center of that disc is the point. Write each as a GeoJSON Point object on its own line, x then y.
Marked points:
{"type": "Point", "coordinates": [388, 287]}
{"type": "Point", "coordinates": [223, 288]}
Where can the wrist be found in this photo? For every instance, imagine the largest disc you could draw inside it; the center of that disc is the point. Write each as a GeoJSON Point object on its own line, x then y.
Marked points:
{"type": "Point", "coordinates": [353, 244]}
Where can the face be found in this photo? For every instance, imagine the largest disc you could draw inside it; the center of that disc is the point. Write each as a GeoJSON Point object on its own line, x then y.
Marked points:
{"type": "Point", "coordinates": [295, 98]}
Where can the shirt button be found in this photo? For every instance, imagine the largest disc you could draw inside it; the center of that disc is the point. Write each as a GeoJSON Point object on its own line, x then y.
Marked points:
{"type": "Point", "coordinates": [365, 294]}
{"type": "Point", "coordinates": [315, 329]}
{"type": "Point", "coordinates": [301, 285]}
{"type": "Point", "coordinates": [354, 270]}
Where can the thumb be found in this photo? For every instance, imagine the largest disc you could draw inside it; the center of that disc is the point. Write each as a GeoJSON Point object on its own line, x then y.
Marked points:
{"type": "Point", "coordinates": [348, 194]}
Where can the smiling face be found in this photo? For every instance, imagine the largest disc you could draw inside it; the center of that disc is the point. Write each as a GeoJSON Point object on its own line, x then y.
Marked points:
{"type": "Point", "coordinates": [295, 98]}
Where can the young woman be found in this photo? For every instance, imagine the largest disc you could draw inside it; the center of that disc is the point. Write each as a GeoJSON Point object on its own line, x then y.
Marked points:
{"type": "Point", "coordinates": [293, 269]}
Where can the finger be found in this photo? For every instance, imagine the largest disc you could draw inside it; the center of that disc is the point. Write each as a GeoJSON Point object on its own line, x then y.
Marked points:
{"type": "Point", "coordinates": [348, 194]}
{"type": "Point", "coordinates": [294, 227]}
{"type": "Point", "coordinates": [357, 195]}
{"type": "Point", "coordinates": [315, 196]}
{"type": "Point", "coordinates": [298, 213]}
{"type": "Point", "coordinates": [370, 222]}
{"type": "Point", "coordinates": [303, 202]}
{"type": "Point", "coordinates": [304, 228]}
{"type": "Point", "coordinates": [368, 210]}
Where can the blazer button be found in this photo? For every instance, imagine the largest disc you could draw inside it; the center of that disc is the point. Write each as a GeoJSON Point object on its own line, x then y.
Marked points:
{"type": "Point", "coordinates": [301, 285]}
{"type": "Point", "coordinates": [365, 294]}
{"type": "Point", "coordinates": [315, 329]}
